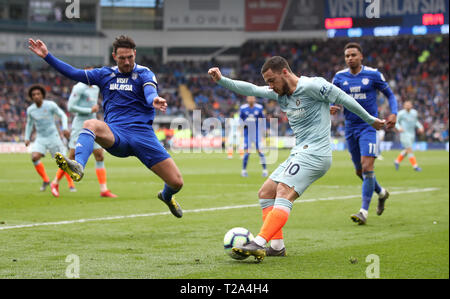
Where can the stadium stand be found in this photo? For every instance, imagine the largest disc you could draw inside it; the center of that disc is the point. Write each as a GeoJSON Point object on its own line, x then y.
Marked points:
{"type": "Point", "coordinates": [416, 68]}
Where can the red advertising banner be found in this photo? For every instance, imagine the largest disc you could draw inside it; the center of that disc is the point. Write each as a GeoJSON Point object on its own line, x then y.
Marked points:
{"type": "Point", "coordinates": [264, 15]}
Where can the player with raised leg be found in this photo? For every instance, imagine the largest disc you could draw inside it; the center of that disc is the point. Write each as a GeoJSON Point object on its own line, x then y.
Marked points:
{"type": "Point", "coordinates": [306, 102]}
{"type": "Point", "coordinates": [407, 122]}
{"type": "Point", "coordinates": [130, 98]}
{"type": "Point", "coordinates": [362, 83]}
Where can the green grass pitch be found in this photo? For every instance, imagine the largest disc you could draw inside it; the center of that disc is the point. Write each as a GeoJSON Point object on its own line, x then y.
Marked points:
{"type": "Point", "coordinates": [133, 236]}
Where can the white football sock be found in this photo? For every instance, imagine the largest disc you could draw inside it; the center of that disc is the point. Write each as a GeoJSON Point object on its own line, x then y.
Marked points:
{"type": "Point", "coordinates": [260, 241]}
{"type": "Point", "coordinates": [277, 244]}
{"type": "Point", "coordinates": [364, 212]}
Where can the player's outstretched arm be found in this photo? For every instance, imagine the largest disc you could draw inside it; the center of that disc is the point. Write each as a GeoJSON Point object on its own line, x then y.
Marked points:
{"type": "Point", "coordinates": [351, 104]}
{"type": "Point", "coordinates": [242, 87]}
{"type": "Point", "coordinates": [215, 74]}
{"type": "Point", "coordinates": [329, 93]}
{"type": "Point", "coordinates": [40, 49]}
{"type": "Point", "coordinates": [160, 104]}
{"type": "Point", "coordinates": [152, 98]}
{"type": "Point", "coordinates": [383, 86]}
{"type": "Point", "coordinates": [392, 118]}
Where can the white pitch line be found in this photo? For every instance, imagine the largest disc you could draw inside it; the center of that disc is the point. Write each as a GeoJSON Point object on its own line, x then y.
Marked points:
{"type": "Point", "coordinates": [197, 210]}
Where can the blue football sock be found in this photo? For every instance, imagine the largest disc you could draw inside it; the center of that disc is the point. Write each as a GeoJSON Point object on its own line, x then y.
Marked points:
{"type": "Point", "coordinates": [168, 192]}
{"type": "Point", "coordinates": [263, 160]}
{"type": "Point", "coordinates": [84, 147]}
{"type": "Point", "coordinates": [377, 186]}
{"type": "Point", "coordinates": [245, 161]}
{"type": "Point", "coordinates": [368, 187]}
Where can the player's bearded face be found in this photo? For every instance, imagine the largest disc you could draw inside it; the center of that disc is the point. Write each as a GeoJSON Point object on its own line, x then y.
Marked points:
{"type": "Point", "coordinates": [281, 86]}
{"type": "Point", "coordinates": [285, 88]}
{"type": "Point", "coordinates": [276, 82]}
{"type": "Point", "coordinates": [124, 58]}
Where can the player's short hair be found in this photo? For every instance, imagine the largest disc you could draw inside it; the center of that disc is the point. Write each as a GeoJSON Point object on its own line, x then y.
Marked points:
{"type": "Point", "coordinates": [353, 45]}
{"type": "Point", "coordinates": [34, 87]}
{"type": "Point", "coordinates": [123, 41]}
{"type": "Point", "coordinates": [276, 64]}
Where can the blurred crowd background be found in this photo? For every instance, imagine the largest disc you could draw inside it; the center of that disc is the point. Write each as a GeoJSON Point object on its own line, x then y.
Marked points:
{"type": "Point", "coordinates": [416, 68]}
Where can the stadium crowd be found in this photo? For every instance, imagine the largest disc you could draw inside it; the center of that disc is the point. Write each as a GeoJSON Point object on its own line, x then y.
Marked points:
{"type": "Point", "coordinates": [415, 67]}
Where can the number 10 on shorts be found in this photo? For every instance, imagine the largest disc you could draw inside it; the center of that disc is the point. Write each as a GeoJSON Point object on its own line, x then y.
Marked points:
{"type": "Point", "coordinates": [292, 168]}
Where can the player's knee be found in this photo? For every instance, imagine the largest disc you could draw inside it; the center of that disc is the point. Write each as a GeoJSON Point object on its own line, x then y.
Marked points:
{"type": "Point", "coordinates": [35, 157]}
{"type": "Point", "coordinates": [284, 191]}
{"type": "Point", "coordinates": [366, 167]}
{"type": "Point", "coordinates": [177, 182]}
{"type": "Point", "coordinates": [90, 124]}
{"type": "Point", "coordinates": [98, 156]}
{"type": "Point", "coordinates": [265, 193]}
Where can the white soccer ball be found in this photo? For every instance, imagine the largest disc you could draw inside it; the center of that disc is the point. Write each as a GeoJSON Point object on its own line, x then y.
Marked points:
{"type": "Point", "coordinates": [237, 236]}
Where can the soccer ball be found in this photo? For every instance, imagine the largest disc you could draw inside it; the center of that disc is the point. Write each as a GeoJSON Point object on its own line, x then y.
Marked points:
{"type": "Point", "coordinates": [237, 236]}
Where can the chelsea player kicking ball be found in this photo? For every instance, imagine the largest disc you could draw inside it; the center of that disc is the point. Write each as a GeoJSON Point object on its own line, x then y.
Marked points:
{"type": "Point", "coordinates": [237, 236]}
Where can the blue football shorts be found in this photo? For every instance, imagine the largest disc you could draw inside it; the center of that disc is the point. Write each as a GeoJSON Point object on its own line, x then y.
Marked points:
{"type": "Point", "coordinates": [361, 142]}
{"type": "Point", "coordinates": [137, 140]}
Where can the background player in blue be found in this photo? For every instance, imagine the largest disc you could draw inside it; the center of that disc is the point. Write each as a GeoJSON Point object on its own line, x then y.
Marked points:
{"type": "Point", "coordinates": [362, 83]}
{"type": "Point", "coordinates": [129, 101]}
{"type": "Point", "coordinates": [251, 113]}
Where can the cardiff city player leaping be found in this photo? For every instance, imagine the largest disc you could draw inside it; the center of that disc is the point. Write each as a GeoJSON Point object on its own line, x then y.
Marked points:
{"type": "Point", "coordinates": [306, 102]}
{"type": "Point", "coordinates": [362, 83]}
{"type": "Point", "coordinates": [129, 101]}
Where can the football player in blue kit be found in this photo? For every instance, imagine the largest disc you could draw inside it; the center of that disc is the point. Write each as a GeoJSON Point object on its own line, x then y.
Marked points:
{"type": "Point", "coordinates": [130, 97]}
{"type": "Point", "coordinates": [250, 114]}
{"type": "Point", "coordinates": [362, 83]}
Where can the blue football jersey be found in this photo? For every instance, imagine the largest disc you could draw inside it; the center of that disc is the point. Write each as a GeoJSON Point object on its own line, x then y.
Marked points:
{"type": "Point", "coordinates": [250, 115]}
{"type": "Point", "coordinates": [123, 94]}
{"type": "Point", "coordinates": [363, 88]}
